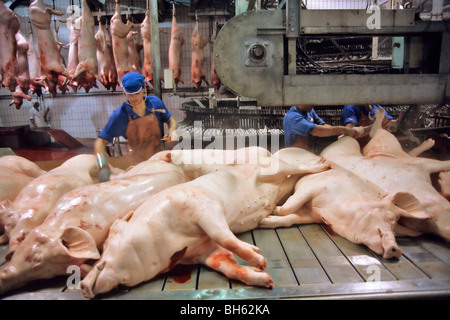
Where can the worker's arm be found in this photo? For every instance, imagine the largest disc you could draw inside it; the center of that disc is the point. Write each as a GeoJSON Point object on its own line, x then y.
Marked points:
{"type": "Point", "coordinates": [326, 130]}
{"type": "Point", "coordinates": [363, 133]}
{"type": "Point", "coordinates": [102, 159]}
{"type": "Point", "coordinates": [171, 135]}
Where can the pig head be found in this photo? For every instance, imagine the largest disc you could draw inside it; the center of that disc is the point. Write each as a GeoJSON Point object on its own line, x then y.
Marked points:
{"type": "Point", "coordinates": [45, 254]}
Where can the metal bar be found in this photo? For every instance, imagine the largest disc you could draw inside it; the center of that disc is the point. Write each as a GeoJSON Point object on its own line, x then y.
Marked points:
{"type": "Point", "coordinates": [153, 5]}
{"type": "Point", "coordinates": [293, 18]}
{"type": "Point", "coordinates": [344, 89]}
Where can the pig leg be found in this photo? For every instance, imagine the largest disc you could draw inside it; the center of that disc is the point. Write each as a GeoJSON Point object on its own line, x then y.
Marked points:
{"type": "Point", "coordinates": [222, 235]}
{"type": "Point", "coordinates": [293, 204]}
{"type": "Point", "coordinates": [279, 167]}
{"type": "Point", "coordinates": [426, 145]}
{"type": "Point", "coordinates": [273, 221]}
{"type": "Point", "coordinates": [223, 261]}
{"type": "Point", "coordinates": [444, 182]}
{"type": "Point", "coordinates": [214, 224]}
{"type": "Point", "coordinates": [291, 212]}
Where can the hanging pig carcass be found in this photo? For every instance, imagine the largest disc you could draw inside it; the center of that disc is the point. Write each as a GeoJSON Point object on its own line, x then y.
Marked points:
{"type": "Point", "coordinates": [86, 73]}
{"type": "Point", "coordinates": [51, 62]}
{"type": "Point", "coordinates": [198, 43]}
{"type": "Point", "coordinates": [36, 80]}
{"type": "Point", "coordinates": [175, 50]}
{"type": "Point", "coordinates": [105, 57]}
{"type": "Point", "coordinates": [9, 68]}
{"type": "Point", "coordinates": [119, 32]}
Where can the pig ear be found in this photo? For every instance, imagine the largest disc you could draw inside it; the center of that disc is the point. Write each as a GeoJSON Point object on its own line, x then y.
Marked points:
{"type": "Point", "coordinates": [409, 205]}
{"type": "Point", "coordinates": [80, 243]}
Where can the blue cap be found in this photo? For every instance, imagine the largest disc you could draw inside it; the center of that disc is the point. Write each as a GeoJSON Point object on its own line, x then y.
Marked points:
{"type": "Point", "coordinates": [133, 82]}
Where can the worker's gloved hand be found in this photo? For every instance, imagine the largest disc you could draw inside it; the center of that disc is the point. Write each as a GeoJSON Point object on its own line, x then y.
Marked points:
{"type": "Point", "coordinates": [104, 173]}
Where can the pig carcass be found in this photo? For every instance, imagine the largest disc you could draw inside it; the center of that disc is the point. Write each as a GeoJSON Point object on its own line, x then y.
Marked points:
{"type": "Point", "coordinates": [119, 32]}
{"type": "Point", "coordinates": [384, 163]}
{"type": "Point", "coordinates": [9, 68]}
{"type": "Point", "coordinates": [175, 47]}
{"type": "Point", "coordinates": [15, 173]}
{"type": "Point", "coordinates": [105, 57]}
{"type": "Point", "coordinates": [22, 60]}
{"type": "Point", "coordinates": [36, 80]}
{"type": "Point", "coordinates": [148, 50]}
{"type": "Point", "coordinates": [78, 225]}
{"type": "Point", "coordinates": [72, 58]}
{"type": "Point", "coordinates": [194, 223]}
{"type": "Point", "coordinates": [353, 208]}
{"type": "Point", "coordinates": [198, 42]}
{"type": "Point", "coordinates": [444, 183]}
{"type": "Point", "coordinates": [17, 97]}
{"type": "Point", "coordinates": [86, 73]}
{"type": "Point", "coordinates": [51, 62]}
{"type": "Point", "coordinates": [134, 48]}
{"type": "Point", "coordinates": [23, 74]}
{"type": "Point", "coordinates": [37, 198]}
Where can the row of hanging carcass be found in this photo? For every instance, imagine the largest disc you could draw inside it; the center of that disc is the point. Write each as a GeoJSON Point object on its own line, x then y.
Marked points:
{"type": "Point", "coordinates": [185, 207]}
{"type": "Point", "coordinates": [104, 56]}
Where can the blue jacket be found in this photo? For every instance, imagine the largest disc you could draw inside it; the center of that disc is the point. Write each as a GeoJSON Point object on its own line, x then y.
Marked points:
{"type": "Point", "coordinates": [298, 123]}
{"type": "Point", "coordinates": [118, 121]}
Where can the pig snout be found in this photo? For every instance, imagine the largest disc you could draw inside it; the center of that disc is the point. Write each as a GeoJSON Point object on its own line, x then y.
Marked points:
{"type": "Point", "coordinates": [390, 247]}
{"type": "Point", "coordinates": [9, 279]}
{"type": "Point", "coordinates": [98, 280]}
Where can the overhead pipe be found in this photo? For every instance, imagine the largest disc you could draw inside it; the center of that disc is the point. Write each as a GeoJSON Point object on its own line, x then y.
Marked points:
{"type": "Point", "coordinates": [153, 5]}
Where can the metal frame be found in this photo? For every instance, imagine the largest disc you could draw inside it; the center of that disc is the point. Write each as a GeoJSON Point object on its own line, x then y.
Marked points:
{"type": "Point", "coordinates": [273, 81]}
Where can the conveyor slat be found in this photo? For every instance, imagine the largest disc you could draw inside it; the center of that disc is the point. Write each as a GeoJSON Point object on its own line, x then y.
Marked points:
{"type": "Point", "coordinates": [325, 264]}
{"type": "Point", "coordinates": [332, 260]}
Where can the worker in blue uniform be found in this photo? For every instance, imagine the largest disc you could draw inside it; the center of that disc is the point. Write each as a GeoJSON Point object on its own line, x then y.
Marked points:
{"type": "Point", "coordinates": [363, 115]}
{"type": "Point", "coordinates": [139, 119]}
{"type": "Point", "coordinates": [301, 122]}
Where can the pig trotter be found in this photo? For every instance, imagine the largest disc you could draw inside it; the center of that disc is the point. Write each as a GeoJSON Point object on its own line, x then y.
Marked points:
{"type": "Point", "coordinates": [223, 261]}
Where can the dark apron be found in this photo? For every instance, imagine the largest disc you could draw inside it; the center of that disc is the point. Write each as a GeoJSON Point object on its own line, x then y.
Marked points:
{"type": "Point", "coordinates": [144, 138]}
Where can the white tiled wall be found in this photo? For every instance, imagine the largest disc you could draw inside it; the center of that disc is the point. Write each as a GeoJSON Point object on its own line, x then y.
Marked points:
{"type": "Point", "coordinates": [81, 115]}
